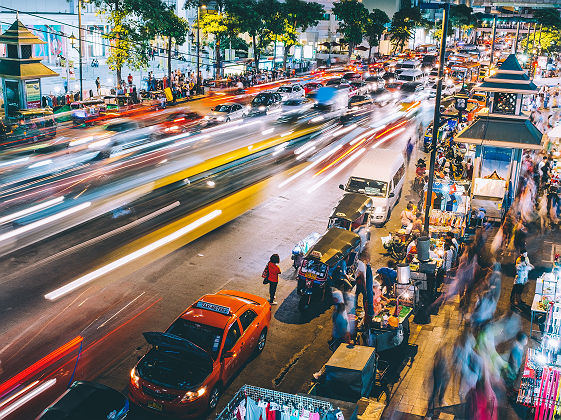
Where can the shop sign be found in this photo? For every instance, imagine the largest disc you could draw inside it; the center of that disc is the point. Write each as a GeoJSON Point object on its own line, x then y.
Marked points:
{"type": "Point", "coordinates": [33, 94]}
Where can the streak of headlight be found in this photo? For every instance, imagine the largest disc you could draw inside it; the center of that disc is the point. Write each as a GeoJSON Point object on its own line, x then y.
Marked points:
{"type": "Point", "coordinates": [362, 136]}
{"type": "Point", "coordinates": [305, 147]}
{"type": "Point", "coordinates": [80, 141]}
{"type": "Point", "coordinates": [286, 133]}
{"type": "Point", "coordinates": [39, 164]}
{"type": "Point", "coordinates": [337, 170]}
{"type": "Point", "coordinates": [348, 152]}
{"type": "Point", "coordinates": [344, 130]}
{"type": "Point", "coordinates": [306, 153]}
{"type": "Point", "coordinates": [278, 149]}
{"type": "Point", "coordinates": [13, 162]}
{"type": "Point", "coordinates": [395, 133]}
{"type": "Point", "coordinates": [30, 210]}
{"type": "Point", "coordinates": [44, 221]}
{"type": "Point", "coordinates": [73, 285]}
{"type": "Point", "coordinates": [268, 131]}
{"type": "Point", "coordinates": [387, 120]}
{"type": "Point", "coordinates": [317, 119]}
{"type": "Point", "coordinates": [34, 391]}
{"type": "Point", "coordinates": [306, 169]}
{"type": "Point", "coordinates": [391, 129]}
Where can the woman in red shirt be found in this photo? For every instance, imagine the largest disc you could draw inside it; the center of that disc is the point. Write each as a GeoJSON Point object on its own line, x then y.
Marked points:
{"type": "Point", "coordinates": [274, 271]}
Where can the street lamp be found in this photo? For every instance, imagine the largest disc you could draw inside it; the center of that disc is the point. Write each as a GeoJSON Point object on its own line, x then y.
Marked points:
{"type": "Point", "coordinates": [436, 120]}
{"type": "Point", "coordinates": [198, 87]}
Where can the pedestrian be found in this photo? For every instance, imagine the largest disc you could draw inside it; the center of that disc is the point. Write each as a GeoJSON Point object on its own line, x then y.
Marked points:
{"type": "Point", "coordinates": [543, 212]}
{"type": "Point", "coordinates": [407, 216]}
{"type": "Point", "coordinates": [388, 274]}
{"type": "Point", "coordinates": [98, 85]}
{"type": "Point", "coordinates": [481, 401]}
{"type": "Point", "coordinates": [515, 358]}
{"type": "Point", "coordinates": [523, 267]}
{"type": "Point", "coordinates": [409, 150]}
{"type": "Point", "coordinates": [520, 234]}
{"type": "Point", "coordinates": [440, 379]}
{"type": "Point", "coordinates": [271, 276]}
{"type": "Point", "coordinates": [361, 277]}
{"type": "Point", "coordinates": [340, 332]}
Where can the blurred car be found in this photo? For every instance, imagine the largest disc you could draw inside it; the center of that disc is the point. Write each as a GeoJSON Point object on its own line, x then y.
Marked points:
{"type": "Point", "coordinates": [352, 77]}
{"type": "Point", "coordinates": [226, 112]}
{"type": "Point", "coordinates": [360, 100]}
{"type": "Point", "coordinates": [345, 89]}
{"type": "Point", "coordinates": [119, 131]}
{"type": "Point", "coordinates": [298, 104]}
{"type": "Point", "coordinates": [360, 88]}
{"type": "Point", "coordinates": [447, 90]}
{"type": "Point", "coordinates": [188, 366]}
{"type": "Point", "coordinates": [87, 400]}
{"type": "Point", "coordinates": [311, 86]}
{"type": "Point", "coordinates": [179, 122]}
{"type": "Point", "coordinates": [334, 82]}
{"type": "Point", "coordinates": [263, 103]}
{"type": "Point", "coordinates": [389, 76]}
{"type": "Point", "coordinates": [291, 91]}
{"type": "Point", "coordinates": [375, 83]}
{"type": "Point", "coordinates": [385, 97]}
{"type": "Point", "coordinates": [413, 87]}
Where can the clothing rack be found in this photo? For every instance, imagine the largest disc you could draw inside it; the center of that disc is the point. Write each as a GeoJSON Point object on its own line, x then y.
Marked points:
{"type": "Point", "coordinates": [296, 401]}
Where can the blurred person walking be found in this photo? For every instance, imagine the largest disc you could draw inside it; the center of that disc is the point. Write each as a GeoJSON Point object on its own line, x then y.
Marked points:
{"type": "Point", "coordinates": [440, 379]}
{"type": "Point", "coordinates": [523, 267]}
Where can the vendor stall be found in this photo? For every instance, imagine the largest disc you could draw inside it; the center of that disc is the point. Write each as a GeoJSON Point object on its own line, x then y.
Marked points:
{"type": "Point", "coordinates": [296, 406]}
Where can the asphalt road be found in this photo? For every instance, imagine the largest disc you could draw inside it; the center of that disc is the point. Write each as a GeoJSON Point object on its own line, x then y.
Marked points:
{"type": "Point", "coordinates": [111, 312]}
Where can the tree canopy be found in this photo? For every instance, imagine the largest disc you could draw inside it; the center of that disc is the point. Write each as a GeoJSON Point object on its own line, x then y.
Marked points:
{"type": "Point", "coordinates": [352, 16]}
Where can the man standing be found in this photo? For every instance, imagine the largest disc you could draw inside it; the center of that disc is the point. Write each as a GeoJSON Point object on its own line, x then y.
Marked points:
{"type": "Point", "coordinates": [129, 79]}
{"type": "Point", "coordinates": [523, 267]}
{"type": "Point", "coordinates": [98, 85]}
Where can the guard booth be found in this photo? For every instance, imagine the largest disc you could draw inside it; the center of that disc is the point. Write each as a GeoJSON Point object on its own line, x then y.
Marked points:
{"type": "Point", "coordinates": [20, 71]}
{"type": "Point", "coordinates": [500, 133]}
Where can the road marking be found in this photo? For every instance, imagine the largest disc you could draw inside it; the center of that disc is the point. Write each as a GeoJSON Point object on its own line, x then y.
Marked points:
{"type": "Point", "coordinates": [121, 310]}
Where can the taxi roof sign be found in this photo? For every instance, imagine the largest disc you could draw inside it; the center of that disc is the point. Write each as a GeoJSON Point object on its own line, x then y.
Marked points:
{"type": "Point", "coordinates": [224, 310]}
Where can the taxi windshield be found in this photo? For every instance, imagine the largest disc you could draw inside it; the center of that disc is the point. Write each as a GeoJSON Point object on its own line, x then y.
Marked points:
{"type": "Point", "coordinates": [206, 337]}
{"type": "Point", "coordinates": [368, 186]}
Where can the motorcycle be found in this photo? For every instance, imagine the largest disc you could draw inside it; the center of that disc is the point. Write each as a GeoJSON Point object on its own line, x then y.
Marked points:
{"type": "Point", "coordinates": [395, 247]}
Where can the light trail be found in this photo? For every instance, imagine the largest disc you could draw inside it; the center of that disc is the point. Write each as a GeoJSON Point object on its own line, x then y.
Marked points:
{"type": "Point", "coordinates": [44, 221]}
{"type": "Point", "coordinates": [337, 170]}
{"type": "Point", "coordinates": [315, 163]}
{"type": "Point", "coordinates": [31, 210]}
{"type": "Point", "coordinates": [34, 391]}
{"type": "Point", "coordinates": [81, 281]}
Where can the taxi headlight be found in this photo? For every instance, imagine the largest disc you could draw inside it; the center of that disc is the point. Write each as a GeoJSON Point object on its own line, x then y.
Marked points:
{"type": "Point", "coordinates": [135, 379]}
{"type": "Point", "coordinates": [193, 395]}
{"type": "Point", "coordinates": [380, 209]}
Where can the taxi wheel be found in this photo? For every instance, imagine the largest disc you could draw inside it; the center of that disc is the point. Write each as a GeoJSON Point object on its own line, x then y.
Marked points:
{"type": "Point", "coordinates": [261, 341]}
{"type": "Point", "coordinates": [214, 397]}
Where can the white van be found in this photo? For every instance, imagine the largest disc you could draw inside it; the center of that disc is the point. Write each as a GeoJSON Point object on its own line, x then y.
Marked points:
{"type": "Point", "coordinates": [411, 76]}
{"type": "Point", "coordinates": [380, 175]}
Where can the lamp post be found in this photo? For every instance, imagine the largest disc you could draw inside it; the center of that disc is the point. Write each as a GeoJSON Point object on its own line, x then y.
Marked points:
{"type": "Point", "coordinates": [436, 120]}
{"type": "Point", "coordinates": [198, 87]}
{"type": "Point", "coordinates": [80, 47]}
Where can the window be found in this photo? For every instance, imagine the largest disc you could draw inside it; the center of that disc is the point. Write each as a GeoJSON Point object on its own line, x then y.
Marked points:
{"type": "Point", "coordinates": [505, 103]}
{"type": "Point", "coordinates": [247, 318]}
{"type": "Point", "coordinates": [233, 336]}
{"type": "Point", "coordinates": [398, 175]}
{"type": "Point", "coordinates": [204, 336]}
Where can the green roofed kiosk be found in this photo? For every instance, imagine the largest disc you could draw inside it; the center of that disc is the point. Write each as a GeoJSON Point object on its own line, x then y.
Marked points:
{"type": "Point", "coordinates": [500, 134]}
{"type": "Point", "coordinates": [20, 71]}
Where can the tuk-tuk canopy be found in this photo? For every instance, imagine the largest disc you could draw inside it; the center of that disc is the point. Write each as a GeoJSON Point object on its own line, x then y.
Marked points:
{"type": "Point", "coordinates": [335, 245]}
{"type": "Point", "coordinates": [352, 206]}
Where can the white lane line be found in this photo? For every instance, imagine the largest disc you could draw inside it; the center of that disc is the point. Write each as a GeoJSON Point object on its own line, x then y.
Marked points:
{"type": "Point", "coordinates": [30, 210]}
{"type": "Point", "coordinates": [44, 221]}
{"type": "Point", "coordinates": [79, 282]}
{"type": "Point", "coordinates": [121, 310]}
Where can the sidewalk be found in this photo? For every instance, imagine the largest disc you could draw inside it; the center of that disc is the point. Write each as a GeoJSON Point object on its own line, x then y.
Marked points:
{"type": "Point", "coordinates": [410, 395]}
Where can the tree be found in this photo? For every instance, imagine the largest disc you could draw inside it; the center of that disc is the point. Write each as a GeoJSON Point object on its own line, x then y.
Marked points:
{"type": "Point", "coordinates": [298, 16]}
{"type": "Point", "coordinates": [461, 17]}
{"type": "Point", "coordinates": [374, 28]}
{"type": "Point", "coordinates": [171, 26]}
{"type": "Point", "coordinates": [352, 16]}
{"type": "Point", "coordinates": [549, 38]}
{"type": "Point", "coordinates": [129, 36]}
{"type": "Point", "coordinates": [403, 23]}
{"type": "Point", "coordinates": [548, 18]}
{"type": "Point", "coordinates": [260, 19]}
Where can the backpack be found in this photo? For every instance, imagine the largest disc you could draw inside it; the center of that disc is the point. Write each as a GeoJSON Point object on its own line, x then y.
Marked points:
{"type": "Point", "coordinates": [265, 274]}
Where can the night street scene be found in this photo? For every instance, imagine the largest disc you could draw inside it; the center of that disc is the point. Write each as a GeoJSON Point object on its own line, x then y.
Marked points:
{"type": "Point", "coordinates": [280, 210]}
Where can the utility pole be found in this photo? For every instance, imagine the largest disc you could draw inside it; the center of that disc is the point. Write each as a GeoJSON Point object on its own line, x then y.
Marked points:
{"type": "Point", "coordinates": [516, 39]}
{"type": "Point", "coordinates": [436, 120]}
{"type": "Point", "coordinates": [80, 47]}
{"type": "Point", "coordinates": [493, 42]}
{"type": "Point", "coordinates": [198, 85]}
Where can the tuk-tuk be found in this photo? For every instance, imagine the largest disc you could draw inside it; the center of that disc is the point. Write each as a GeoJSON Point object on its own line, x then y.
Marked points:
{"type": "Point", "coordinates": [30, 126]}
{"type": "Point", "coordinates": [115, 104]}
{"type": "Point", "coordinates": [87, 112]}
{"type": "Point", "coordinates": [352, 213]}
{"type": "Point", "coordinates": [336, 248]}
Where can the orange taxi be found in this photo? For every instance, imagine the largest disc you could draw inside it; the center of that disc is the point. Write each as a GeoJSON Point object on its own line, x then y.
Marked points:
{"type": "Point", "coordinates": [184, 372]}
